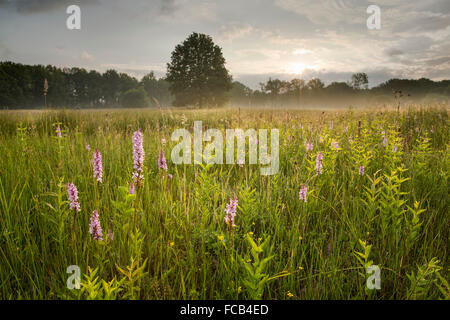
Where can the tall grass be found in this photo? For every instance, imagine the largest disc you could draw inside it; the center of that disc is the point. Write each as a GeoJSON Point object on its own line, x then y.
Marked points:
{"type": "Point", "coordinates": [170, 238]}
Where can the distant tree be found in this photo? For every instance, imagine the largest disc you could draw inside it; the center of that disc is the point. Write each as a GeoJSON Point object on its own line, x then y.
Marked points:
{"type": "Point", "coordinates": [135, 98]}
{"type": "Point", "coordinates": [315, 84]}
{"type": "Point", "coordinates": [197, 73]}
{"type": "Point", "coordinates": [241, 94]}
{"type": "Point", "coordinates": [111, 87]}
{"type": "Point", "coordinates": [157, 89]}
{"type": "Point", "coordinates": [274, 88]}
{"type": "Point", "coordinates": [360, 81]}
{"type": "Point", "coordinates": [339, 88]}
{"type": "Point", "coordinates": [297, 86]}
{"type": "Point", "coordinates": [127, 82]}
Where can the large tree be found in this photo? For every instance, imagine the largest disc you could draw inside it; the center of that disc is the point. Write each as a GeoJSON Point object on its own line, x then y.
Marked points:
{"type": "Point", "coordinates": [197, 73]}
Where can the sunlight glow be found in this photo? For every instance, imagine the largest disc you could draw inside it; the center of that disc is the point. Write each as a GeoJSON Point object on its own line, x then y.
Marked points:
{"type": "Point", "coordinates": [296, 68]}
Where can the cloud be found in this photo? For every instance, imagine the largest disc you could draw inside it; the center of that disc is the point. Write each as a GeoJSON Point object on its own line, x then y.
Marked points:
{"type": "Point", "coordinates": [168, 7]}
{"type": "Point", "coordinates": [327, 11]}
{"type": "Point", "coordinates": [184, 11]}
{"type": "Point", "coordinates": [394, 52]}
{"type": "Point", "coordinates": [39, 6]}
{"type": "Point", "coordinates": [86, 56]}
{"type": "Point", "coordinates": [233, 31]}
{"type": "Point", "coordinates": [301, 51]}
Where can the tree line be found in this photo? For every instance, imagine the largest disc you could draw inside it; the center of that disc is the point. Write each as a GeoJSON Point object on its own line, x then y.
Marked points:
{"type": "Point", "coordinates": [196, 76]}
{"type": "Point", "coordinates": [22, 86]}
{"type": "Point", "coordinates": [300, 92]}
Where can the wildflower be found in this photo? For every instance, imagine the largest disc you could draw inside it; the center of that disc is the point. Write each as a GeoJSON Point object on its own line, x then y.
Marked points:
{"type": "Point", "coordinates": [138, 156]}
{"type": "Point", "coordinates": [162, 164]}
{"type": "Point", "coordinates": [385, 141]}
{"type": "Point", "coordinates": [303, 192]}
{"type": "Point", "coordinates": [239, 289]}
{"type": "Point", "coordinates": [231, 212]}
{"type": "Point", "coordinates": [132, 189]}
{"type": "Point", "coordinates": [88, 147]}
{"type": "Point", "coordinates": [394, 149]}
{"type": "Point", "coordinates": [98, 167]}
{"type": "Point", "coordinates": [94, 227]}
{"type": "Point", "coordinates": [172, 243]}
{"type": "Point", "coordinates": [319, 164]}
{"type": "Point", "coordinates": [73, 197]}
{"type": "Point", "coordinates": [331, 125]}
{"type": "Point", "coordinates": [170, 176]}
{"type": "Point", "coordinates": [289, 294]}
{"type": "Point", "coordinates": [163, 141]}
{"type": "Point", "coordinates": [361, 170]}
{"type": "Point", "coordinates": [309, 146]}
{"type": "Point", "coordinates": [221, 237]}
{"type": "Point", "coordinates": [58, 132]}
{"type": "Point", "coordinates": [240, 162]}
{"type": "Point", "coordinates": [346, 129]}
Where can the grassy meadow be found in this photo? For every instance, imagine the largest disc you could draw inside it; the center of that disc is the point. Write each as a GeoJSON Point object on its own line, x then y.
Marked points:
{"type": "Point", "coordinates": [169, 239]}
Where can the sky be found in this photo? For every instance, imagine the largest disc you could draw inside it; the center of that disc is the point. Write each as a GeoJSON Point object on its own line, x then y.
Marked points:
{"type": "Point", "coordinates": [286, 39]}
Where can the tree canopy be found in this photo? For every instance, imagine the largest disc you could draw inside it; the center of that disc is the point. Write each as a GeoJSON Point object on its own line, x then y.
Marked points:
{"type": "Point", "coordinates": [197, 73]}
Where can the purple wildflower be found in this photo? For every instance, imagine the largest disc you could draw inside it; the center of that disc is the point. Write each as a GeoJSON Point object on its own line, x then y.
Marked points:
{"type": "Point", "coordinates": [58, 132]}
{"type": "Point", "coordinates": [303, 192]}
{"type": "Point", "coordinates": [98, 167]}
{"type": "Point", "coordinates": [361, 170]}
{"type": "Point", "coordinates": [346, 129]}
{"type": "Point", "coordinates": [331, 125]}
{"type": "Point", "coordinates": [138, 156]}
{"type": "Point", "coordinates": [73, 197]}
{"type": "Point", "coordinates": [170, 176]}
{"type": "Point", "coordinates": [385, 141]}
{"type": "Point", "coordinates": [309, 146]}
{"type": "Point", "coordinates": [231, 212]}
{"type": "Point", "coordinates": [94, 228]}
{"type": "Point", "coordinates": [88, 147]}
{"type": "Point", "coordinates": [319, 164]}
{"type": "Point", "coordinates": [162, 164]}
{"type": "Point", "coordinates": [132, 189]}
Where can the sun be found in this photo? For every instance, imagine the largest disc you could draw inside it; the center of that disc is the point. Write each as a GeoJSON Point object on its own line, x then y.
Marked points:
{"type": "Point", "coordinates": [296, 68]}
